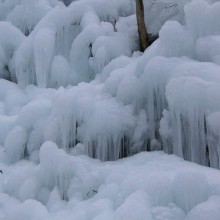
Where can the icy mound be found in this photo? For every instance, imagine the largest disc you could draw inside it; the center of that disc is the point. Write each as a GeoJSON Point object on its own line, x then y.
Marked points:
{"type": "Point", "coordinates": [26, 15]}
{"type": "Point", "coordinates": [20, 9]}
{"type": "Point", "coordinates": [155, 185]}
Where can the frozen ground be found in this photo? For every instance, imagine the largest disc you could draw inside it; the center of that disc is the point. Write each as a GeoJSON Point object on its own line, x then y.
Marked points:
{"type": "Point", "coordinates": [147, 186]}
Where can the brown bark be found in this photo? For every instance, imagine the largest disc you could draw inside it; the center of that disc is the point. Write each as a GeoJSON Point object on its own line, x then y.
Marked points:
{"type": "Point", "coordinates": [142, 30]}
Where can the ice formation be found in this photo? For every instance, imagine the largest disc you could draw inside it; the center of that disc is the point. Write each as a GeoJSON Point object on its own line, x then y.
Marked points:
{"type": "Point", "coordinates": [15, 144]}
{"type": "Point", "coordinates": [67, 186]}
{"type": "Point", "coordinates": [73, 84]}
{"type": "Point", "coordinates": [115, 101]}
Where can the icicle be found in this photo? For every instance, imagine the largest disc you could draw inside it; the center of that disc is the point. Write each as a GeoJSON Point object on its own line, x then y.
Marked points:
{"type": "Point", "coordinates": [15, 144]}
{"type": "Point", "coordinates": [213, 138]}
{"type": "Point", "coordinates": [44, 45]}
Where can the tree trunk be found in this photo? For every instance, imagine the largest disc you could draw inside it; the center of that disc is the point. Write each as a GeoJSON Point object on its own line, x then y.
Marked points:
{"type": "Point", "coordinates": [142, 30]}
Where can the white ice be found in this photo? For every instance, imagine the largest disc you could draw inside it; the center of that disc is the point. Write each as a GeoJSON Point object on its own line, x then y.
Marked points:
{"type": "Point", "coordinates": [73, 85]}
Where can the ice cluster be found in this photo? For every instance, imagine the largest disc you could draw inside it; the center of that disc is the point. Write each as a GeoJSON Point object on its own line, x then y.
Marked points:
{"type": "Point", "coordinates": [91, 83]}
{"type": "Point", "coordinates": [73, 84]}
{"type": "Point", "coordinates": [150, 186]}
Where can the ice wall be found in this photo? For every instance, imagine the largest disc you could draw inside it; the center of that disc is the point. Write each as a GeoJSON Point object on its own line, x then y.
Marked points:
{"type": "Point", "coordinates": [104, 96]}
{"type": "Point", "coordinates": [79, 33]}
{"type": "Point", "coordinates": [91, 117]}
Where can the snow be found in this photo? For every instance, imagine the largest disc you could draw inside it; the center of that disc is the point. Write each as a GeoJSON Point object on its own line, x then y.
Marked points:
{"type": "Point", "coordinates": [190, 189]}
{"type": "Point", "coordinates": [61, 73]}
{"type": "Point", "coordinates": [15, 144]}
{"type": "Point", "coordinates": [74, 87]}
{"type": "Point", "coordinates": [36, 211]}
{"type": "Point", "coordinates": [207, 209]}
{"type": "Point", "coordinates": [155, 185]}
{"type": "Point", "coordinates": [26, 15]}
{"type": "Point", "coordinates": [44, 44]}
